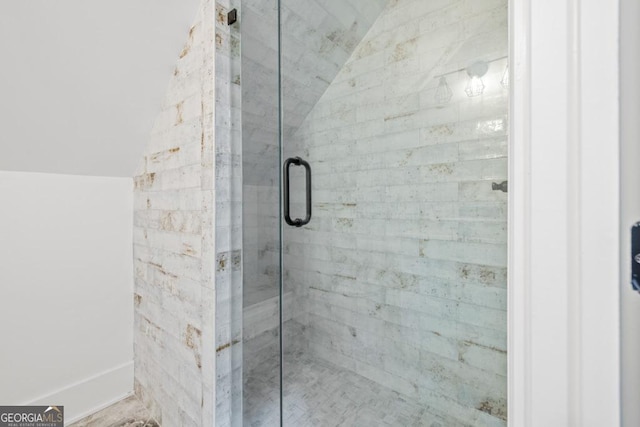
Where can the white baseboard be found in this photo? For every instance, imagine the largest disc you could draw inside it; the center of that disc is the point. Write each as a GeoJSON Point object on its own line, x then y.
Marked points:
{"type": "Point", "coordinates": [92, 394]}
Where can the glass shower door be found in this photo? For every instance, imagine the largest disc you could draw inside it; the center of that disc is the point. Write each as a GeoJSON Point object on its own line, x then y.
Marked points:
{"type": "Point", "coordinates": [261, 213]}
{"type": "Point", "coordinates": [393, 158]}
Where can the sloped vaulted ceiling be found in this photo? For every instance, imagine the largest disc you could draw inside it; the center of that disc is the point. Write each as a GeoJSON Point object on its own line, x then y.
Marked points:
{"type": "Point", "coordinates": [81, 81]}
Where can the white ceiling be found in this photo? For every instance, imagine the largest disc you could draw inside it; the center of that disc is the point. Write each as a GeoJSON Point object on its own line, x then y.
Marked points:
{"type": "Point", "coordinates": [81, 81]}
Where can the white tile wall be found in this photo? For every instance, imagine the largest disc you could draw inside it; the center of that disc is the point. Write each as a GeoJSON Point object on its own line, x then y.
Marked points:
{"type": "Point", "coordinates": [173, 249]}
{"type": "Point", "coordinates": [401, 275]}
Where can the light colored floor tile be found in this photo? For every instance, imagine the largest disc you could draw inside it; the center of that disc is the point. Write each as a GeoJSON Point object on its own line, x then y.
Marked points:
{"type": "Point", "coordinates": [317, 393]}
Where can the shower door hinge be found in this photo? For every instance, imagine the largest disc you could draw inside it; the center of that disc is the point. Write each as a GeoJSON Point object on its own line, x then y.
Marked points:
{"type": "Point", "coordinates": [232, 16]}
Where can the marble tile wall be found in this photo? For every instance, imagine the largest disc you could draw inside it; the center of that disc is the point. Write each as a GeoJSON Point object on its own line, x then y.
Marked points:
{"type": "Point", "coordinates": [174, 298]}
{"type": "Point", "coordinates": [401, 275]}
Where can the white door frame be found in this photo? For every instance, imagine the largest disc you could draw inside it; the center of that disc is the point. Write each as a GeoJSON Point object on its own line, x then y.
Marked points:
{"type": "Point", "coordinates": [630, 206]}
{"type": "Point", "coordinates": [564, 214]}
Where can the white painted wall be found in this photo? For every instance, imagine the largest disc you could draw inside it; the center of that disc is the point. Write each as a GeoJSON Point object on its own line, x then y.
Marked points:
{"type": "Point", "coordinates": [66, 291]}
{"type": "Point", "coordinates": [92, 74]}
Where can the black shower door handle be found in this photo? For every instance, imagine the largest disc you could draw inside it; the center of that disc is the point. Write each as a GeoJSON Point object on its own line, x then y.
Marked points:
{"type": "Point", "coordinates": [297, 161]}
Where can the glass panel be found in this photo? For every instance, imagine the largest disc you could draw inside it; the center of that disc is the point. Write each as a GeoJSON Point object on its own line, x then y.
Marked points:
{"type": "Point", "coordinates": [393, 297]}
{"type": "Point", "coordinates": [261, 213]}
{"type": "Point", "coordinates": [395, 294]}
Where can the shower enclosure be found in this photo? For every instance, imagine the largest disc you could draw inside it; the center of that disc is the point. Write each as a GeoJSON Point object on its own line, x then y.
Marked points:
{"type": "Point", "coordinates": [374, 159]}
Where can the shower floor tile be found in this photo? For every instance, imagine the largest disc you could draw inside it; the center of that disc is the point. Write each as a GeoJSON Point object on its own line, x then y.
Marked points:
{"type": "Point", "coordinates": [317, 393]}
{"type": "Point", "coordinates": [129, 412]}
